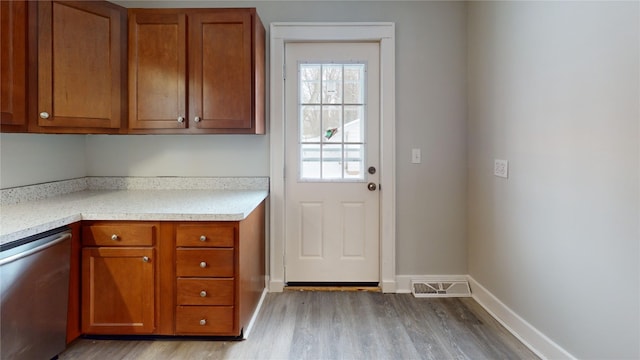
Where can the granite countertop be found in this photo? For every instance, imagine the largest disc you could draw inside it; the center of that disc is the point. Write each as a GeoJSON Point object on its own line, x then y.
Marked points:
{"type": "Point", "coordinates": [32, 217]}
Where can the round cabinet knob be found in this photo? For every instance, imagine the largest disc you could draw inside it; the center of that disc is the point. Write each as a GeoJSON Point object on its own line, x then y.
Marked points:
{"type": "Point", "coordinates": [114, 237]}
{"type": "Point", "coordinates": [203, 264]}
{"type": "Point", "coordinates": [203, 293]}
{"type": "Point", "coordinates": [203, 322]}
{"type": "Point", "coordinates": [196, 119]}
{"type": "Point", "coordinates": [145, 258]}
{"type": "Point", "coordinates": [44, 115]}
{"type": "Point", "coordinates": [180, 119]}
{"type": "Point", "coordinates": [203, 238]}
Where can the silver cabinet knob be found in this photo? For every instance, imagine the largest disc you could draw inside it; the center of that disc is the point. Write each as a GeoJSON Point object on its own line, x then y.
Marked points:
{"type": "Point", "coordinates": [203, 293]}
{"type": "Point", "coordinates": [203, 264]}
{"type": "Point", "coordinates": [114, 237]}
{"type": "Point", "coordinates": [203, 322]}
{"type": "Point", "coordinates": [203, 238]}
{"type": "Point", "coordinates": [44, 115]}
{"type": "Point", "coordinates": [196, 119]}
{"type": "Point", "coordinates": [145, 258]}
{"type": "Point", "coordinates": [180, 119]}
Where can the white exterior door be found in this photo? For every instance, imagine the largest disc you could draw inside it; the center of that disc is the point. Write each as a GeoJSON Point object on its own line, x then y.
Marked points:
{"type": "Point", "coordinates": [332, 202]}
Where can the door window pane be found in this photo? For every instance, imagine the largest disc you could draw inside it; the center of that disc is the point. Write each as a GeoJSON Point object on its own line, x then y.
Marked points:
{"type": "Point", "coordinates": [353, 84]}
{"type": "Point", "coordinates": [332, 162]}
{"type": "Point", "coordinates": [310, 123]}
{"type": "Point", "coordinates": [309, 84]}
{"type": "Point", "coordinates": [353, 115]}
{"type": "Point", "coordinates": [310, 161]}
{"type": "Point", "coordinates": [354, 161]}
{"type": "Point", "coordinates": [332, 84]}
{"type": "Point", "coordinates": [332, 124]}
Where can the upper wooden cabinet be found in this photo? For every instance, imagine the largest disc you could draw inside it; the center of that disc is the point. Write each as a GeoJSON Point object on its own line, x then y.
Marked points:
{"type": "Point", "coordinates": [196, 71]}
{"type": "Point", "coordinates": [81, 63]}
{"type": "Point", "coordinates": [13, 71]}
{"type": "Point", "coordinates": [190, 71]}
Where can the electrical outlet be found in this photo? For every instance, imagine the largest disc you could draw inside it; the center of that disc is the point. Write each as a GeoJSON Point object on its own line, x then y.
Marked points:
{"type": "Point", "coordinates": [416, 157]}
{"type": "Point", "coordinates": [501, 168]}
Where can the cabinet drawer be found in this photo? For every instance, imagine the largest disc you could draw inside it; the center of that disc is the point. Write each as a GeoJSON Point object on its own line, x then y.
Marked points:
{"type": "Point", "coordinates": [204, 262]}
{"type": "Point", "coordinates": [214, 235]}
{"type": "Point", "coordinates": [204, 291]}
{"type": "Point", "coordinates": [118, 234]}
{"type": "Point", "coordinates": [204, 320]}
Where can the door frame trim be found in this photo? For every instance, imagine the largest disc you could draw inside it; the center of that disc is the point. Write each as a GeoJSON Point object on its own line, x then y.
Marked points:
{"type": "Point", "coordinates": [384, 34]}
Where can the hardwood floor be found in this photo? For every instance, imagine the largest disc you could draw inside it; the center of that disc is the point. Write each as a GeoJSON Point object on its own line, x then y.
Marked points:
{"type": "Point", "coordinates": [338, 325]}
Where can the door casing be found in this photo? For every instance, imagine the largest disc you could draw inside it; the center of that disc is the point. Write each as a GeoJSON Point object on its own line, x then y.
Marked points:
{"type": "Point", "coordinates": [384, 33]}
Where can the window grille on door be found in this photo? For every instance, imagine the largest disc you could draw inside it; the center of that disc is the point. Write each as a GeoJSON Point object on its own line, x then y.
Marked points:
{"type": "Point", "coordinates": [332, 143]}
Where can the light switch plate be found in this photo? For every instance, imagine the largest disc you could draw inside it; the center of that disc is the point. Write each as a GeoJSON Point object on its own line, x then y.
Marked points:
{"type": "Point", "coordinates": [501, 168]}
{"type": "Point", "coordinates": [416, 156]}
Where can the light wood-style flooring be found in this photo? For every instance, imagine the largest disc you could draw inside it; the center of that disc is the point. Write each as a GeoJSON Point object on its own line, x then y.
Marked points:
{"type": "Point", "coordinates": [338, 325]}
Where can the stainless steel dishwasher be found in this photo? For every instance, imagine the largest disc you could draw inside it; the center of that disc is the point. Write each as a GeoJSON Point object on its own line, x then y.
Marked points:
{"type": "Point", "coordinates": [34, 288]}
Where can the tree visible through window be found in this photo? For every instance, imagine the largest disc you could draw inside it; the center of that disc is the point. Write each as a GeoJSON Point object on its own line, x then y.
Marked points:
{"type": "Point", "coordinates": [331, 121]}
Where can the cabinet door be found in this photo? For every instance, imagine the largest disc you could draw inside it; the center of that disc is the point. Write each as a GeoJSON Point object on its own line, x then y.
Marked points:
{"type": "Point", "coordinates": [157, 70]}
{"type": "Point", "coordinates": [80, 49]}
{"type": "Point", "coordinates": [220, 69]}
{"type": "Point", "coordinates": [118, 290]}
{"type": "Point", "coordinates": [13, 42]}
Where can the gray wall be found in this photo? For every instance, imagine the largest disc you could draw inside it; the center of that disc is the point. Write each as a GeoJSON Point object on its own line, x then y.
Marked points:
{"type": "Point", "coordinates": [27, 159]}
{"type": "Point", "coordinates": [554, 89]}
{"type": "Point", "coordinates": [431, 115]}
{"type": "Point", "coordinates": [177, 155]}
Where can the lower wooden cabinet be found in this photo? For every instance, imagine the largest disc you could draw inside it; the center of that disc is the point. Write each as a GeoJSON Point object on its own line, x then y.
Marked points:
{"type": "Point", "coordinates": [118, 290]}
{"type": "Point", "coordinates": [171, 278]}
{"type": "Point", "coordinates": [119, 267]}
{"type": "Point", "coordinates": [206, 268]}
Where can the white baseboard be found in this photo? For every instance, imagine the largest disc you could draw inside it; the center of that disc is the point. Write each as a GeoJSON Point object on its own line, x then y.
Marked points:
{"type": "Point", "coordinates": [535, 340]}
{"type": "Point", "coordinates": [403, 282]}
{"type": "Point", "coordinates": [247, 330]}
{"type": "Point", "coordinates": [276, 285]}
{"type": "Point", "coordinates": [388, 286]}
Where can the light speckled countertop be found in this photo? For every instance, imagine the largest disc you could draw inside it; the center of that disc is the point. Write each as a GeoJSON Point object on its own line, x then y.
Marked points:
{"type": "Point", "coordinates": [32, 217]}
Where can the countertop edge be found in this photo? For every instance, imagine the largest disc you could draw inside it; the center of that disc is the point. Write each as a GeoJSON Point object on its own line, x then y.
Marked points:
{"type": "Point", "coordinates": [82, 214]}
{"type": "Point", "coordinates": [40, 228]}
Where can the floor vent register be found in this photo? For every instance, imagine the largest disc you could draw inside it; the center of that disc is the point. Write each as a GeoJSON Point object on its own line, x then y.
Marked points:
{"type": "Point", "coordinates": [421, 288]}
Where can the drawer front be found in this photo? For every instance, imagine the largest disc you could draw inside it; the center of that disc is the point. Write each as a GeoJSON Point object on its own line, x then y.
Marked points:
{"type": "Point", "coordinates": [205, 291]}
{"type": "Point", "coordinates": [118, 234]}
{"type": "Point", "coordinates": [204, 262]}
{"type": "Point", "coordinates": [205, 320]}
{"type": "Point", "coordinates": [213, 235]}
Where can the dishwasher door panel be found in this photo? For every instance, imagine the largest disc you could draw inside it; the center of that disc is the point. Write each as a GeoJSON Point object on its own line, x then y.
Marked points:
{"type": "Point", "coordinates": [34, 288]}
